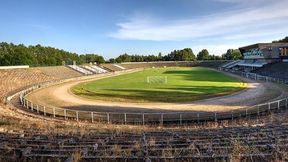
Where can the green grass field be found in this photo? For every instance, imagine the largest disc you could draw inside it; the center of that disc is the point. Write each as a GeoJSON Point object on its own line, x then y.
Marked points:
{"type": "Point", "coordinates": [183, 85]}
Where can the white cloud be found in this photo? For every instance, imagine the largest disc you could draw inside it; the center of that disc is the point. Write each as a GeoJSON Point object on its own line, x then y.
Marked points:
{"type": "Point", "coordinates": [250, 21]}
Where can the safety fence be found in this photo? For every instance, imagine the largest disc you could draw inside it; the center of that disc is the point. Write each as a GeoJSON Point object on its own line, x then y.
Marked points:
{"type": "Point", "coordinates": [156, 118]}
{"type": "Point", "coordinates": [255, 76]}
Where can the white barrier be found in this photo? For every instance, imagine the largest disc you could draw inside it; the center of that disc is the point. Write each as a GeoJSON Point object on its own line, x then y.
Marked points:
{"type": "Point", "coordinates": [147, 118]}
{"type": "Point", "coordinates": [14, 67]}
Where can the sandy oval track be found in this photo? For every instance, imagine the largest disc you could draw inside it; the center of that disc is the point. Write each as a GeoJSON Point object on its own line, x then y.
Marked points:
{"type": "Point", "coordinates": [60, 96]}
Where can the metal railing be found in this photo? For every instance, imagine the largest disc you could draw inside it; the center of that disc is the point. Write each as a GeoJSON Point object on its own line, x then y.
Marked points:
{"type": "Point", "coordinates": [155, 118]}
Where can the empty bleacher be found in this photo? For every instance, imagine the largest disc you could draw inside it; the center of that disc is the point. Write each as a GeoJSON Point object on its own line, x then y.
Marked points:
{"type": "Point", "coordinates": [90, 69]}
{"type": "Point", "coordinates": [231, 64]}
{"type": "Point", "coordinates": [11, 80]}
{"type": "Point", "coordinates": [99, 69]}
{"type": "Point", "coordinates": [276, 70]}
{"type": "Point", "coordinates": [259, 143]}
{"type": "Point", "coordinates": [211, 64]}
{"type": "Point", "coordinates": [15, 79]}
{"type": "Point", "coordinates": [95, 69]}
{"type": "Point", "coordinates": [252, 63]}
{"type": "Point", "coordinates": [119, 66]}
{"type": "Point", "coordinates": [112, 67]}
{"type": "Point", "coordinates": [80, 69]}
{"type": "Point", "coordinates": [60, 72]}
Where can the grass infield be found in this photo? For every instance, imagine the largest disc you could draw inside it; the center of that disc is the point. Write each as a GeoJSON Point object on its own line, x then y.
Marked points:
{"type": "Point", "coordinates": [183, 85]}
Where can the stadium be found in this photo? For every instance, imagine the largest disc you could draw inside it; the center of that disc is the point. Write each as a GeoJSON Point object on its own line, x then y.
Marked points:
{"type": "Point", "coordinates": [144, 81]}
{"type": "Point", "coordinates": [148, 111]}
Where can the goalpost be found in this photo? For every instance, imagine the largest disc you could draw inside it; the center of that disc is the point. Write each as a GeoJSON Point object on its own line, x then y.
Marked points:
{"type": "Point", "coordinates": [156, 79]}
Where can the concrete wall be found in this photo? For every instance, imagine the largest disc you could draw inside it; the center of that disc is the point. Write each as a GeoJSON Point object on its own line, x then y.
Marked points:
{"type": "Point", "coordinates": [14, 67]}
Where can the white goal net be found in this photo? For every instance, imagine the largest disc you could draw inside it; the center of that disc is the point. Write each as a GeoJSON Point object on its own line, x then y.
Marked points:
{"type": "Point", "coordinates": [156, 79]}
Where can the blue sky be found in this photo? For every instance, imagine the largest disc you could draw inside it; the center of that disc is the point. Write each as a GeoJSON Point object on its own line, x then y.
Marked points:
{"type": "Point", "coordinates": [113, 27]}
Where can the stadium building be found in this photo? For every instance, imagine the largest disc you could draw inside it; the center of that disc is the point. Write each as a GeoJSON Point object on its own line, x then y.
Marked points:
{"type": "Point", "coordinates": [260, 54]}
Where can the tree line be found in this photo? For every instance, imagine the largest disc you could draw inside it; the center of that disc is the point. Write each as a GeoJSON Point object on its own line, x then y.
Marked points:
{"type": "Point", "coordinates": [284, 40]}
{"type": "Point", "coordinates": [11, 54]}
{"type": "Point", "coordinates": [185, 54]}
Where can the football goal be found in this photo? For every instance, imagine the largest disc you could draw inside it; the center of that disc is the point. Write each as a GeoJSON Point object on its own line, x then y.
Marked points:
{"type": "Point", "coordinates": [156, 79]}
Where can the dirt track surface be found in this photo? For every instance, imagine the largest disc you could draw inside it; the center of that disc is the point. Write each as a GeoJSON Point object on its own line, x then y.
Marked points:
{"type": "Point", "coordinates": [256, 93]}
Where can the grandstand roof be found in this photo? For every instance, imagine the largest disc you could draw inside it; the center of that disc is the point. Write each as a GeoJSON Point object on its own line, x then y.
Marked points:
{"type": "Point", "coordinates": [262, 45]}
